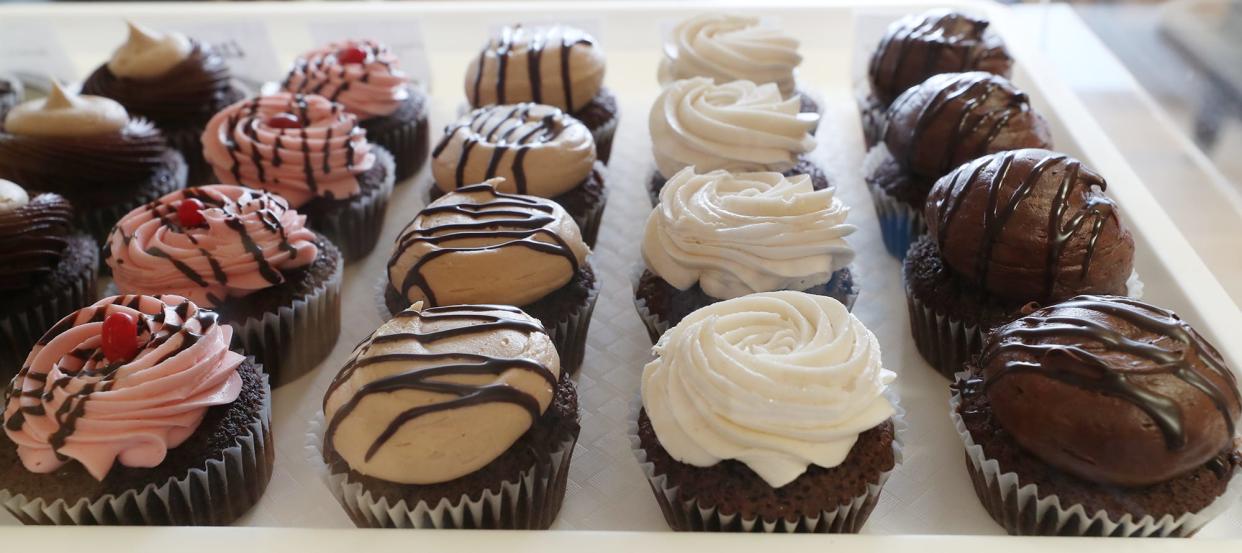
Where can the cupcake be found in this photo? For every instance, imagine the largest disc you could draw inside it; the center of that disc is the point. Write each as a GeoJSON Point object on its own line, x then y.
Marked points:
{"type": "Point", "coordinates": [1100, 416]}
{"type": "Point", "coordinates": [245, 254]}
{"type": "Point", "coordinates": [537, 149]}
{"type": "Point", "coordinates": [365, 77]}
{"type": "Point", "coordinates": [176, 82]}
{"type": "Point", "coordinates": [721, 235]}
{"type": "Point", "coordinates": [47, 269]}
{"type": "Point", "coordinates": [934, 127]}
{"type": "Point", "coordinates": [916, 47]}
{"type": "Point", "coordinates": [1004, 231]}
{"type": "Point", "coordinates": [10, 94]}
{"type": "Point", "coordinates": [558, 66]}
{"type": "Point", "coordinates": [89, 150]}
{"type": "Point", "coordinates": [767, 413]}
{"type": "Point", "coordinates": [311, 151]}
{"type": "Point", "coordinates": [736, 126]}
{"type": "Point", "coordinates": [134, 411]}
{"type": "Point", "coordinates": [451, 417]}
{"type": "Point", "coordinates": [731, 47]}
{"type": "Point", "coordinates": [477, 245]}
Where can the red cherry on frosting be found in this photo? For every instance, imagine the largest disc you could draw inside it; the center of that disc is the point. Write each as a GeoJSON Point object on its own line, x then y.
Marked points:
{"type": "Point", "coordinates": [351, 54]}
{"type": "Point", "coordinates": [284, 121]}
{"type": "Point", "coordinates": [119, 337]}
{"type": "Point", "coordinates": [190, 213]}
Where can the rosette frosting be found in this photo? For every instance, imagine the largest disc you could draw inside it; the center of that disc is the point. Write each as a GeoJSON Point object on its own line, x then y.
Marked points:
{"type": "Point", "coordinates": [247, 238]}
{"type": "Point", "coordinates": [69, 402]}
{"type": "Point", "coordinates": [778, 381]}
{"type": "Point", "coordinates": [729, 47]}
{"type": "Point", "coordinates": [34, 233]}
{"type": "Point", "coordinates": [373, 88]}
{"type": "Point", "coordinates": [321, 156]}
{"type": "Point", "coordinates": [558, 66]}
{"type": "Point", "coordinates": [739, 233]}
{"type": "Point", "coordinates": [739, 126]}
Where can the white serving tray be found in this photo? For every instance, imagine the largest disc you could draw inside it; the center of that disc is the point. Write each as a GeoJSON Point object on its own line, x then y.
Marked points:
{"type": "Point", "coordinates": [929, 494]}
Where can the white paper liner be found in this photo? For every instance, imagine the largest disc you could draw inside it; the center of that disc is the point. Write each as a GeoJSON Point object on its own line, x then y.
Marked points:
{"type": "Point", "coordinates": [355, 227]}
{"type": "Point", "coordinates": [237, 480]}
{"type": "Point", "coordinates": [529, 503]}
{"type": "Point", "coordinates": [19, 331]}
{"type": "Point", "coordinates": [845, 519]}
{"type": "Point", "coordinates": [1028, 512]}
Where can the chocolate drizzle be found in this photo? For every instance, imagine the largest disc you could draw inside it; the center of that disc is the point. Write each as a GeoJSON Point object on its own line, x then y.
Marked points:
{"type": "Point", "coordinates": [938, 41]}
{"type": "Point", "coordinates": [536, 42]}
{"type": "Point", "coordinates": [33, 238]}
{"type": "Point", "coordinates": [508, 128]}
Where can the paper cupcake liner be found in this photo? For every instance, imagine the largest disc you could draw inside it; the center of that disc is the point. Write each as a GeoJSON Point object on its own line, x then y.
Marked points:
{"type": "Point", "coordinates": [355, 227]}
{"type": "Point", "coordinates": [1023, 510]}
{"type": "Point", "coordinates": [406, 140]}
{"type": "Point", "coordinates": [214, 495]}
{"type": "Point", "coordinates": [900, 223]}
{"type": "Point", "coordinates": [97, 220]}
{"type": "Point", "coordinates": [687, 514]}
{"type": "Point", "coordinates": [19, 331]}
{"type": "Point", "coordinates": [590, 221]}
{"type": "Point", "coordinates": [529, 503]}
{"type": "Point", "coordinates": [603, 136]}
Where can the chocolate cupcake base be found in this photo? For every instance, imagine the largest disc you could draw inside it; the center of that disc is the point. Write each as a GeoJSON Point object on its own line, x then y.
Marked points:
{"type": "Point", "coordinates": [97, 218]}
{"type": "Point", "coordinates": [808, 103]}
{"type": "Point", "coordinates": [354, 224]}
{"type": "Point", "coordinates": [872, 114]}
{"type": "Point", "coordinates": [601, 116]}
{"type": "Point", "coordinates": [404, 133]}
{"type": "Point", "coordinates": [819, 180]}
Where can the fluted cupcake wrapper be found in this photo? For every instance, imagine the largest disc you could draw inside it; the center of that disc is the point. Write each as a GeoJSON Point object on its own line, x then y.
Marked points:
{"type": "Point", "coordinates": [687, 514]}
{"type": "Point", "coordinates": [900, 223]}
{"type": "Point", "coordinates": [1023, 510]}
{"type": "Point", "coordinates": [214, 495]}
{"type": "Point", "coordinates": [603, 136]}
{"type": "Point", "coordinates": [19, 331]}
{"type": "Point", "coordinates": [97, 220]}
{"type": "Point", "coordinates": [590, 221]}
{"type": "Point", "coordinates": [355, 227]}
{"type": "Point", "coordinates": [529, 503]}
{"type": "Point", "coordinates": [407, 141]}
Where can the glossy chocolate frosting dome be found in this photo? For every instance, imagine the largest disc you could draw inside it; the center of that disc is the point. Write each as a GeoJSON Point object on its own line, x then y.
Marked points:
{"type": "Point", "coordinates": [937, 41]}
{"type": "Point", "coordinates": [186, 95]}
{"type": "Point", "coordinates": [1112, 390]}
{"type": "Point", "coordinates": [33, 238]}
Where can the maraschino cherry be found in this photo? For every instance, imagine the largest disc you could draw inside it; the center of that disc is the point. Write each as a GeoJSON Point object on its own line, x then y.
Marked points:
{"type": "Point", "coordinates": [351, 54]}
{"type": "Point", "coordinates": [190, 213]}
{"type": "Point", "coordinates": [284, 120]}
{"type": "Point", "coordinates": [119, 337]}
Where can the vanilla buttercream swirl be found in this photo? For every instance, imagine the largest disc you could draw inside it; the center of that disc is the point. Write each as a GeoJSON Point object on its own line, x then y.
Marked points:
{"type": "Point", "coordinates": [70, 403]}
{"type": "Point", "coordinates": [148, 53]}
{"type": "Point", "coordinates": [536, 148]}
{"type": "Point", "coordinates": [65, 114]}
{"type": "Point", "coordinates": [249, 238]}
{"type": "Point", "coordinates": [373, 88]}
{"type": "Point", "coordinates": [739, 233]}
{"type": "Point", "coordinates": [729, 47]}
{"type": "Point", "coordinates": [321, 158]}
{"type": "Point", "coordinates": [558, 65]}
{"type": "Point", "coordinates": [739, 126]}
{"type": "Point", "coordinates": [778, 381]}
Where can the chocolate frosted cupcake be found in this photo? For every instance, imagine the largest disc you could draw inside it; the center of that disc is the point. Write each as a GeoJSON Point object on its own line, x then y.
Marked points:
{"type": "Point", "coordinates": [732, 47]}
{"type": "Point", "coordinates": [245, 254]}
{"type": "Point", "coordinates": [365, 76]}
{"type": "Point", "coordinates": [133, 411]}
{"type": "Point", "coordinates": [451, 417]}
{"type": "Point", "coordinates": [737, 126]}
{"type": "Point", "coordinates": [916, 47]}
{"type": "Point", "coordinates": [768, 413]}
{"type": "Point", "coordinates": [1100, 416]}
{"type": "Point", "coordinates": [480, 246]}
{"type": "Point", "coordinates": [722, 235]}
{"type": "Point", "coordinates": [312, 152]}
{"type": "Point", "coordinates": [176, 82]}
{"type": "Point", "coordinates": [537, 149]}
{"type": "Point", "coordinates": [1004, 231]}
{"type": "Point", "coordinates": [558, 66]}
{"type": "Point", "coordinates": [47, 270]}
{"type": "Point", "coordinates": [934, 127]}
{"type": "Point", "coordinates": [89, 150]}
{"type": "Point", "coordinates": [10, 94]}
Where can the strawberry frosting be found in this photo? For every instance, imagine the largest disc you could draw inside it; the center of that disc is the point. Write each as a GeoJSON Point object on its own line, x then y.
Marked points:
{"type": "Point", "coordinates": [374, 88]}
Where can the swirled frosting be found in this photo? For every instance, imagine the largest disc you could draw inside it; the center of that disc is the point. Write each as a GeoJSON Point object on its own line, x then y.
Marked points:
{"type": "Point", "coordinates": [322, 158]}
{"type": "Point", "coordinates": [740, 233]}
{"type": "Point", "coordinates": [558, 66]}
{"type": "Point", "coordinates": [537, 149]}
{"type": "Point", "coordinates": [478, 245]}
{"type": "Point", "coordinates": [248, 238]}
{"type": "Point", "coordinates": [147, 53]}
{"type": "Point", "coordinates": [65, 114]}
{"type": "Point", "coordinates": [373, 88]}
{"type": "Point", "coordinates": [68, 402]}
{"type": "Point", "coordinates": [778, 381]}
{"type": "Point", "coordinates": [739, 126]}
{"type": "Point", "coordinates": [34, 233]}
{"type": "Point", "coordinates": [730, 47]}
{"type": "Point", "coordinates": [438, 393]}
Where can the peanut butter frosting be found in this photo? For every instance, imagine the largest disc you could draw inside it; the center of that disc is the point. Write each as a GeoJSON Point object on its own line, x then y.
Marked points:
{"type": "Point", "coordinates": [559, 66]}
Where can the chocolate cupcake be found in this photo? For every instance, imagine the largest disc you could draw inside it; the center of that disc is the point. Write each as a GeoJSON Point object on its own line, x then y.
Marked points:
{"type": "Point", "coordinates": [736, 126]}
{"type": "Point", "coordinates": [537, 149]}
{"type": "Point", "coordinates": [176, 82]}
{"type": "Point", "coordinates": [477, 245]}
{"type": "Point", "coordinates": [47, 270]}
{"type": "Point", "coordinates": [768, 413]}
{"type": "Point", "coordinates": [917, 47]}
{"type": "Point", "coordinates": [89, 150]}
{"type": "Point", "coordinates": [1100, 416]}
{"type": "Point", "coordinates": [248, 256]}
{"type": "Point", "coordinates": [1004, 231]}
{"type": "Point", "coordinates": [311, 151]}
{"type": "Point", "coordinates": [731, 47]}
{"type": "Point", "coordinates": [722, 235]}
{"type": "Point", "coordinates": [365, 76]}
{"type": "Point", "coordinates": [558, 66]}
{"type": "Point", "coordinates": [451, 417]}
{"type": "Point", "coordinates": [934, 127]}
{"type": "Point", "coordinates": [10, 94]}
{"type": "Point", "coordinates": [133, 411]}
